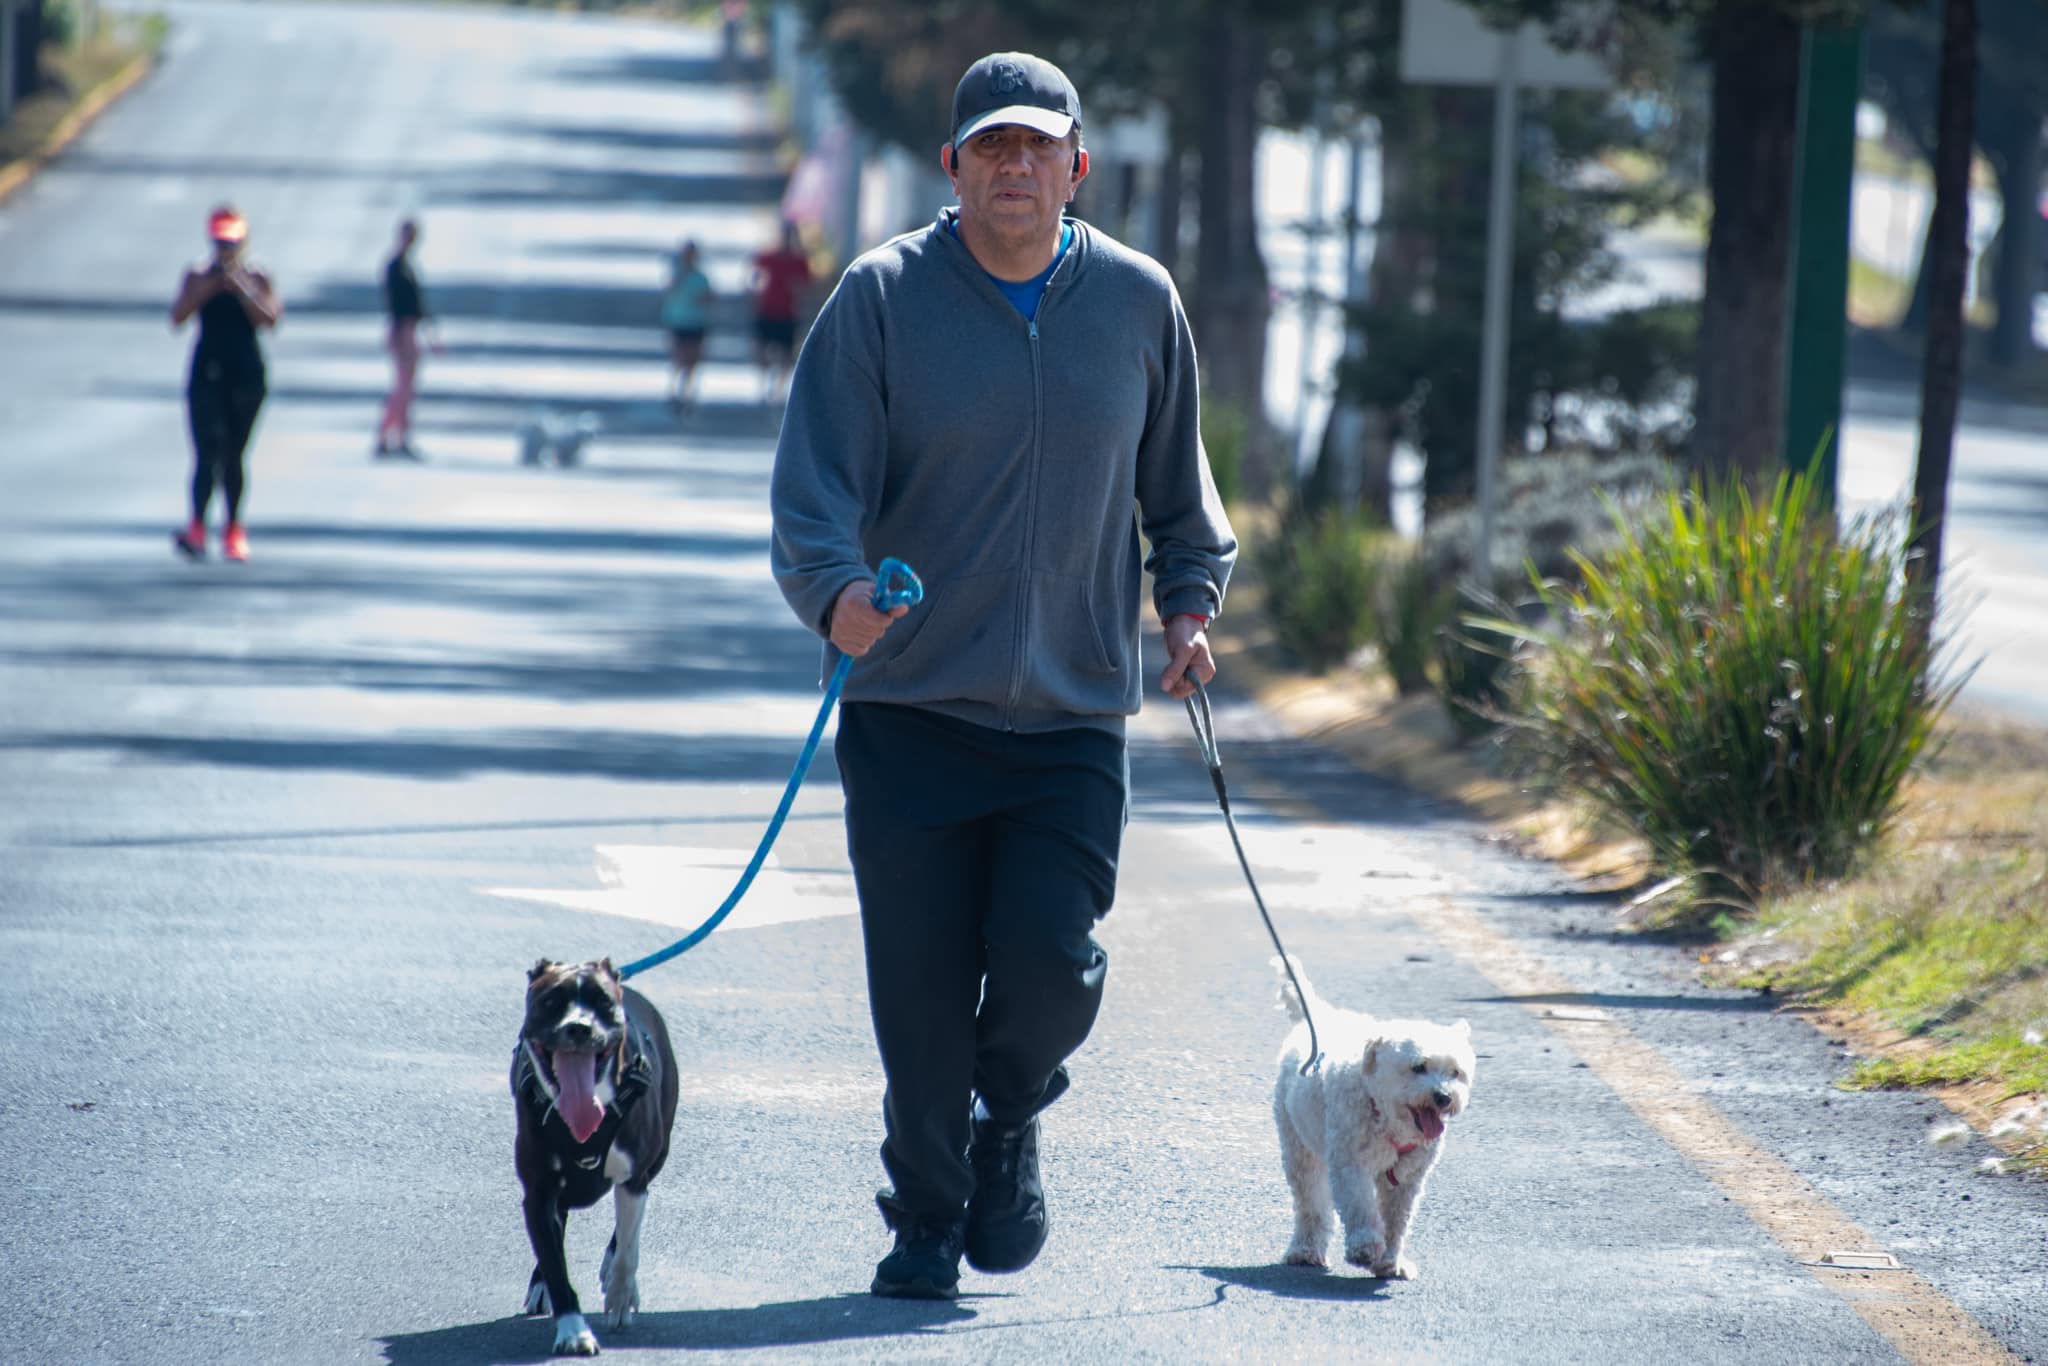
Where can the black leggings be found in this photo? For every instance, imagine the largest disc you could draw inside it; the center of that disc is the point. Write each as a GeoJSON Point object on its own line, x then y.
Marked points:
{"type": "Point", "coordinates": [222, 416]}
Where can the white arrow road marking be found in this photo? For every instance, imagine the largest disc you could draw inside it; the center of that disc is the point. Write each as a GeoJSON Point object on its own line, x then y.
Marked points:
{"type": "Point", "coordinates": [681, 887]}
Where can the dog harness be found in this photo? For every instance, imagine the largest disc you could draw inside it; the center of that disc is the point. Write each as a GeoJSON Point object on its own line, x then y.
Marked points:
{"type": "Point", "coordinates": [1399, 1153]}
{"type": "Point", "coordinates": [635, 1074]}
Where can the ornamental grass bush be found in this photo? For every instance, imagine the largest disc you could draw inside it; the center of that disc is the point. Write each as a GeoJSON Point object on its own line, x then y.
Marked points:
{"type": "Point", "coordinates": [1740, 683]}
{"type": "Point", "coordinates": [1318, 571]}
{"type": "Point", "coordinates": [1475, 666]}
{"type": "Point", "coordinates": [1415, 603]}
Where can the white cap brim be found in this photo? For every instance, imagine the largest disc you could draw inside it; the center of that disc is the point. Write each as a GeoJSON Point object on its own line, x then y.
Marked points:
{"type": "Point", "coordinates": [1050, 122]}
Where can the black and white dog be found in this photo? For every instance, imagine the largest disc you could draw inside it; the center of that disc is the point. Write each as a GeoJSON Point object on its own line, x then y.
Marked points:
{"type": "Point", "coordinates": [594, 1084]}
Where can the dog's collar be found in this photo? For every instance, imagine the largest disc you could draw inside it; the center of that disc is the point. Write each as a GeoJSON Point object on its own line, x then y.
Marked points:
{"type": "Point", "coordinates": [1401, 1150]}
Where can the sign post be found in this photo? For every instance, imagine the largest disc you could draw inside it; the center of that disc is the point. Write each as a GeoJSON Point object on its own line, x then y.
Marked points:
{"type": "Point", "coordinates": [1444, 43]}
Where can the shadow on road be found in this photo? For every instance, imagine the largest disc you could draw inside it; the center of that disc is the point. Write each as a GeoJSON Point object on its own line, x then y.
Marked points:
{"type": "Point", "coordinates": [504, 411]}
{"type": "Point", "coordinates": [1295, 1282]}
{"type": "Point", "coordinates": [660, 821]}
{"type": "Point", "coordinates": [1724, 1005]}
{"type": "Point", "coordinates": [628, 756]}
{"type": "Point", "coordinates": [663, 69]}
{"type": "Point", "coordinates": [759, 141]}
{"type": "Point", "coordinates": [522, 183]}
{"type": "Point", "coordinates": [798, 1323]}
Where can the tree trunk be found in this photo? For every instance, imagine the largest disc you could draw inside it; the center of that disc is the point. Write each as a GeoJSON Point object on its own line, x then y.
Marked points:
{"type": "Point", "coordinates": [1230, 307]}
{"type": "Point", "coordinates": [1739, 407]}
{"type": "Point", "coordinates": [1948, 245]}
{"type": "Point", "coordinates": [1356, 457]}
{"type": "Point", "coordinates": [1173, 184]}
{"type": "Point", "coordinates": [28, 47]}
{"type": "Point", "coordinates": [2015, 150]}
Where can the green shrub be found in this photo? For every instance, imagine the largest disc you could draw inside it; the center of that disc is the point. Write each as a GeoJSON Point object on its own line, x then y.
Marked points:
{"type": "Point", "coordinates": [1415, 601]}
{"type": "Point", "coordinates": [1740, 683]}
{"type": "Point", "coordinates": [1318, 572]}
{"type": "Point", "coordinates": [1475, 666]}
{"type": "Point", "coordinates": [62, 24]}
{"type": "Point", "coordinates": [1226, 432]}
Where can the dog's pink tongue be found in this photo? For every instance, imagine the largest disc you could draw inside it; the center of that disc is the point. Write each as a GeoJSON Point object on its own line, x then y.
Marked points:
{"type": "Point", "coordinates": [1429, 1121]}
{"type": "Point", "coordinates": [576, 1093]}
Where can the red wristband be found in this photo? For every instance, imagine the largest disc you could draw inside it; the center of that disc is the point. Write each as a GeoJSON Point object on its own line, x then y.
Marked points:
{"type": "Point", "coordinates": [1204, 620]}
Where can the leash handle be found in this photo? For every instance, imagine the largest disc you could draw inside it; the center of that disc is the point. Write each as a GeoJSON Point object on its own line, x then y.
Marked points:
{"type": "Point", "coordinates": [896, 585]}
{"type": "Point", "coordinates": [1203, 719]}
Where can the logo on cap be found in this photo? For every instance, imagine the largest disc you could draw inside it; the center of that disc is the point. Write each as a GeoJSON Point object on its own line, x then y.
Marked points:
{"type": "Point", "coordinates": [1004, 77]}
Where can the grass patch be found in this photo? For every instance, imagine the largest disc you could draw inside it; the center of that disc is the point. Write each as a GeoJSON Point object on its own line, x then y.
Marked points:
{"type": "Point", "coordinates": [1943, 935]}
{"type": "Point", "coordinates": [2022, 1065]}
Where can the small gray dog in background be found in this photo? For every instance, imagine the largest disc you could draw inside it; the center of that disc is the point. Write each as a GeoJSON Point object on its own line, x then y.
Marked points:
{"type": "Point", "coordinates": [1361, 1131]}
{"type": "Point", "coordinates": [557, 436]}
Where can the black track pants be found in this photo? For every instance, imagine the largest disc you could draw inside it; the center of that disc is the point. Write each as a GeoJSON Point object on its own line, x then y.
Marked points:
{"type": "Point", "coordinates": [983, 859]}
{"type": "Point", "coordinates": [222, 415]}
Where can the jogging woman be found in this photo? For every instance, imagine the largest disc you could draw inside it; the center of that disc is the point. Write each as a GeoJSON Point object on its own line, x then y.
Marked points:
{"type": "Point", "coordinates": [225, 388]}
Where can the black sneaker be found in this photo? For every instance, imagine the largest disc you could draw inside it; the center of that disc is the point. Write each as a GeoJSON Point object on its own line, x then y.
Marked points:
{"type": "Point", "coordinates": [1006, 1214]}
{"type": "Point", "coordinates": [925, 1264]}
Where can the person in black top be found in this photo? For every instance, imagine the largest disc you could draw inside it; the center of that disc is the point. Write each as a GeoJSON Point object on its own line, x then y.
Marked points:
{"type": "Point", "coordinates": [225, 388]}
{"type": "Point", "coordinates": [406, 305]}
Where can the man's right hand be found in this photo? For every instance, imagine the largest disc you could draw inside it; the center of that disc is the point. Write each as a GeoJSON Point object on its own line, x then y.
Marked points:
{"type": "Point", "coordinates": [856, 625]}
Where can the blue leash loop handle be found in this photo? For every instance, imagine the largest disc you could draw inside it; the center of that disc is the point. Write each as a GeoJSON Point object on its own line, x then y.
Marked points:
{"type": "Point", "coordinates": [895, 586]}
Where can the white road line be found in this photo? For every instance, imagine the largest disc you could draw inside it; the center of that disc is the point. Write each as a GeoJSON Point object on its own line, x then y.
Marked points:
{"type": "Point", "coordinates": [679, 887]}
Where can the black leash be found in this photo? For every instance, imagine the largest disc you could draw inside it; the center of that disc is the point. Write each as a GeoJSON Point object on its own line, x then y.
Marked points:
{"type": "Point", "coordinates": [1204, 723]}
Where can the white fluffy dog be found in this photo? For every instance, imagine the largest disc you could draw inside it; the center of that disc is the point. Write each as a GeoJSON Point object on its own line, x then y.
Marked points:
{"type": "Point", "coordinates": [1364, 1126]}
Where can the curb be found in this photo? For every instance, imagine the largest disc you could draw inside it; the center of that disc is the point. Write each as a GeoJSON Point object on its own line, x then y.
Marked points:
{"type": "Point", "coordinates": [19, 172]}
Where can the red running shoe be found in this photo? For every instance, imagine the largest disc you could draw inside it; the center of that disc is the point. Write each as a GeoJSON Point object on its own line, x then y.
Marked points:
{"type": "Point", "coordinates": [234, 543]}
{"type": "Point", "coordinates": [191, 542]}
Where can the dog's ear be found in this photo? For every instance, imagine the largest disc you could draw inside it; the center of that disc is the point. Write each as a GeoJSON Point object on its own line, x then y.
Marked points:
{"type": "Point", "coordinates": [1463, 1027]}
{"type": "Point", "coordinates": [533, 973]}
{"type": "Point", "coordinates": [604, 965]}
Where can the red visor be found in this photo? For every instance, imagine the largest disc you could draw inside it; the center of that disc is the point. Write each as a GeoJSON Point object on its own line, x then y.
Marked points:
{"type": "Point", "coordinates": [227, 226]}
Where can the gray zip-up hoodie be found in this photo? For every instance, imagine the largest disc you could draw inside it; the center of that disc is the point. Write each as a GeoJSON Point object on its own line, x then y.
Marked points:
{"type": "Point", "coordinates": [1011, 464]}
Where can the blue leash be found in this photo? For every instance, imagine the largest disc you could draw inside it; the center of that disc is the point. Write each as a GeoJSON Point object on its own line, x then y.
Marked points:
{"type": "Point", "coordinates": [895, 586]}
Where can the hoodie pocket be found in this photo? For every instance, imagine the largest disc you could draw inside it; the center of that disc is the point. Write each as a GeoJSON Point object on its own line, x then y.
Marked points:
{"type": "Point", "coordinates": [957, 645]}
{"type": "Point", "coordinates": [1069, 642]}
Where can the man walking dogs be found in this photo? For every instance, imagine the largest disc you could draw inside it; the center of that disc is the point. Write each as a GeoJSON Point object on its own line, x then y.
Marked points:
{"type": "Point", "coordinates": [1005, 400]}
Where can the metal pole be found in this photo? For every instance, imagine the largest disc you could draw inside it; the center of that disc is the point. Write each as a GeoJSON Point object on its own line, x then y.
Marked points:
{"type": "Point", "coordinates": [1310, 310]}
{"type": "Point", "coordinates": [1348, 421]}
{"type": "Point", "coordinates": [1831, 78]}
{"type": "Point", "coordinates": [1493, 341]}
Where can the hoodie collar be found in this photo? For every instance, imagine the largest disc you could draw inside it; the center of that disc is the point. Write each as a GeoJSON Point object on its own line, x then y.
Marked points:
{"type": "Point", "coordinates": [1071, 261]}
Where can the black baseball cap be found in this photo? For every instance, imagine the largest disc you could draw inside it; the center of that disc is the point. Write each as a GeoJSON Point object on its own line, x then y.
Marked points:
{"type": "Point", "coordinates": [1014, 87]}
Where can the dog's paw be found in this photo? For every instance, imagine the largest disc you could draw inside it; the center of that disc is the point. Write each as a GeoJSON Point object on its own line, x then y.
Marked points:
{"type": "Point", "coordinates": [1368, 1253]}
{"type": "Point", "coordinates": [1394, 1268]}
{"type": "Point", "coordinates": [1298, 1255]}
{"type": "Point", "coordinates": [621, 1292]}
{"type": "Point", "coordinates": [573, 1337]}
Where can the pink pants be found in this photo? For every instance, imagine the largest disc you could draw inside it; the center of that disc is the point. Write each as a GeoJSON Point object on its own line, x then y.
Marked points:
{"type": "Point", "coordinates": [405, 366]}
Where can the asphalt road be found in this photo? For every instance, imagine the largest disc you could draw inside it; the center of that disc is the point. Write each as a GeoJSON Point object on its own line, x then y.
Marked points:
{"type": "Point", "coordinates": [280, 839]}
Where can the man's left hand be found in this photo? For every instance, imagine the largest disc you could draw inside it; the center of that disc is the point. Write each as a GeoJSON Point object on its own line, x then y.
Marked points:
{"type": "Point", "coordinates": [1187, 656]}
